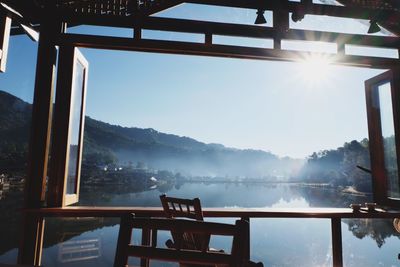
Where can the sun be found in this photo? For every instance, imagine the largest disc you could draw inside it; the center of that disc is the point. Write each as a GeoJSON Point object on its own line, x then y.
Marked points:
{"type": "Point", "coordinates": [315, 70]}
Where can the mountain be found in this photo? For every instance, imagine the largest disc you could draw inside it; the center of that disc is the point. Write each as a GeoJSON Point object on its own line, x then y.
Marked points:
{"type": "Point", "coordinates": [171, 152]}
{"type": "Point", "coordinates": [338, 167]}
{"type": "Point", "coordinates": [15, 117]}
{"type": "Point", "coordinates": [14, 113]}
{"type": "Point", "coordinates": [106, 144]}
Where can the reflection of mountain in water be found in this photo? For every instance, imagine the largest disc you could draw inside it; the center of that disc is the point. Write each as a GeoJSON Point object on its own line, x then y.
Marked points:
{"type": "Point", "coordinates": [212, 195]}
{"type": "Point", "coordinates": [318, 197]}
{"type": "Point", "coordinates": [378, 229]}
{"type": "Point", "coordinates": [262, 195]}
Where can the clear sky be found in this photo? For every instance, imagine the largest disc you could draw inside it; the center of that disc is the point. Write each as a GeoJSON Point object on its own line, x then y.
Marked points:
{"type": "Point", "coordinates": [273, 106]}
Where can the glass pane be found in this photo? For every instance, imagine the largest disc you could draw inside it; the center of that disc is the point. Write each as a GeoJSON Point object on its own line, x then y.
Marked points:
{"type": "Point", "coordinates": [76, 107]}
{"type": "Point", "coordinates": [388, 135]}
{"type": "Point", "coordinates": [369, 242]}
{"type": "Point", "coordinates": [82, 242]}
{"type": "Point", "coordinates": [16, 97]}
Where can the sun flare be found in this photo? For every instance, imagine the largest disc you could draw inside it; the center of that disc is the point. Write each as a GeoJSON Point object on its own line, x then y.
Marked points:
{"type": "Point", "coordinates": [314, 70]}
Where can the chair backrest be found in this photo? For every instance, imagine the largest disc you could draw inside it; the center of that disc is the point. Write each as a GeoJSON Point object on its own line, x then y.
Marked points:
{"type": "Point", "coordinates": [179, 207]}
{"type": "Point", "coordinates": [239, 231]}
{"type": "Point", "coordinates": [184, 208]}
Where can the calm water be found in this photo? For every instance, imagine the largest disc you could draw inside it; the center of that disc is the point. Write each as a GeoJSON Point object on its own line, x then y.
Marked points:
{"type": "Point", "coordinates": [275, 242]}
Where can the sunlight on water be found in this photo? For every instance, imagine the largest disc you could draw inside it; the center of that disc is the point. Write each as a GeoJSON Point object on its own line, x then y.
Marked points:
{"type": "Point", "coordinates": [294, 203]}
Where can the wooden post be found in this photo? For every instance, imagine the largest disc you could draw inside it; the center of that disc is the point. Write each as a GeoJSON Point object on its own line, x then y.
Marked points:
{"type": "Point", "coordinates": [337, 254]}
{"type": "Point", "coordinates": [32, 227]}
{"type": "Point", "coordinates": [146, 237]}
{"type": "Point", "coordinates": [124, 238]}
{"type": "Point", "coordinates": [247, 245]}
{"type": "Point", "coordinates": [280, 20]}
{"type": "Point", "coordinates": [208, 39]}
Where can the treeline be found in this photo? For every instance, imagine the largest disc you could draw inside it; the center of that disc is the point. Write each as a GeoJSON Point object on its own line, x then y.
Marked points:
{"type": "Point", "coordinates": [338, 167]}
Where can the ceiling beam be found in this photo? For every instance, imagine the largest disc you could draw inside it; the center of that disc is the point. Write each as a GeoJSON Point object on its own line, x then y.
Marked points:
{"type": "Point", "coordinates": [307, 8]}
{"type": "Point", "coordinates": [186, 48]}
{"type": "Point", "coordinates": [238, 30]}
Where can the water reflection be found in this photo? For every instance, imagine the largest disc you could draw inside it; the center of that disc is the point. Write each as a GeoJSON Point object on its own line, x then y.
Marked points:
{"type": "Point", "coordinates": [222, 195]}
{"type": "Point", "coordinates": [276, 242]}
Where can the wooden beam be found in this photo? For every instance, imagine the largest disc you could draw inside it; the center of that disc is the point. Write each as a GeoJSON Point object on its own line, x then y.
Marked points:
{"type": "Point", "coordinates": [35, 185]}
{"type": "Point", "coordinates": [237, 30]}
{"type": "Point", "coordinates": [175, 47]}
{"type": "Point", "coordinates": [323, 213]}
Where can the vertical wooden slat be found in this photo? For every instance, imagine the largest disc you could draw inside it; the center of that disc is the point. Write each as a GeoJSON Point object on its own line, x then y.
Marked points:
{"type": "Point", "coordinates": [247, 241]}
{"type": "Point", "coordinates": [197, 209]}
{"type": "Point", "coordinates": [154, 238]}
{"type": "Point", "coordinates": [30, 246]}
{"type": "Point", "coordinates": [337, 254]}
{"type": "Point", "coordinates": [137, 33]}
{"type": "Point", "coordinates": [39, 244]}
{"type": "Point", "coordinates": [146, 237]}
{"type": "Point", "coordinates": [208, 39]}
{"type": "Point", "coordinates": [341, 48]}
{"type": "Point", "coordinates": [280, 23]}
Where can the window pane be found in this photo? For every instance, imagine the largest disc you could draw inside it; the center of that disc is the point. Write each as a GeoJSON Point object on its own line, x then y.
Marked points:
{"type": "Point", "coordinates": [388, 135]}
{"type": "Point", "coordinates": [76, 107]}
{"type": "Point", "coordinates": [16, 96]}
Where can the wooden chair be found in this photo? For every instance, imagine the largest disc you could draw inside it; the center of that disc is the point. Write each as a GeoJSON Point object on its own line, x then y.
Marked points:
{"type": "Point", "coordinates": [179, 207]}
{"type": "Point", "coordinates": [184, 208]}
{"type": "Point", "coordinates": [237, 257]}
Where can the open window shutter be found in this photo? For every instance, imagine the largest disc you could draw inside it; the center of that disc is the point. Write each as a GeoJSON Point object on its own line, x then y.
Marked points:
{"type": "Point", "coordinates": [69, 117]}
{"type": "Point", "coordinates": [383, 111]}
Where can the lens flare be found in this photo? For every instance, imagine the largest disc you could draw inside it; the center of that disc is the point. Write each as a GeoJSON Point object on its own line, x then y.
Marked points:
{"type": "Point", "coordinates": [315, 70]}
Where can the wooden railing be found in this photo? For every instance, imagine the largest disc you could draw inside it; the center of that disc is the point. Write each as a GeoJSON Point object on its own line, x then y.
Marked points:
{"type": "Point", "coordinates": [334, 214]}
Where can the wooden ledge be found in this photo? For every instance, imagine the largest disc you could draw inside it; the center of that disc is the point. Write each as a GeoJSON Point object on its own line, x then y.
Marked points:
{"type": "Point", "coordinates": [322, 213]}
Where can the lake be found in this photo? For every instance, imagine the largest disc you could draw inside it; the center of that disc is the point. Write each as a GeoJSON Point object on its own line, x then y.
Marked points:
{"type": "Point", "coordinates": [275, 242]}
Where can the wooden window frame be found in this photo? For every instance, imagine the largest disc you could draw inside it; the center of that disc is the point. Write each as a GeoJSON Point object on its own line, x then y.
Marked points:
{"type": "Point", "coordinates": [379, 175]}
{"type": "Point", "coordinates": [5, 28]}
{"type": "Point", "coordinates": [69, 57]}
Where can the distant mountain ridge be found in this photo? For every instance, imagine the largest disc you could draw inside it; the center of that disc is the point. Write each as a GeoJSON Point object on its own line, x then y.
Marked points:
{"type": "Point", "coordinates": [14, 112]}
{"type": "Point", "coordinates": [171, 152]}
{"type": "Point", "coordinates": [15, 118]}
{"type": "Point", "coordinates": [105, 142]}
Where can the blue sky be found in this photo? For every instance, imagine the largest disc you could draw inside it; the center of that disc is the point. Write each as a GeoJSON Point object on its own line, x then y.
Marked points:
{"type": "Point", "coordinates": [273, 106]}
